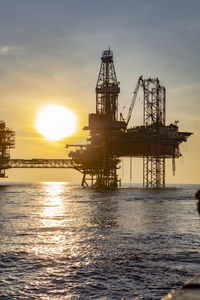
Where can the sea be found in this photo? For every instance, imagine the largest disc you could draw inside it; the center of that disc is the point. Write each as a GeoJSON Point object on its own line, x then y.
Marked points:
{"type": "Point", "coordinates": [61, 241]}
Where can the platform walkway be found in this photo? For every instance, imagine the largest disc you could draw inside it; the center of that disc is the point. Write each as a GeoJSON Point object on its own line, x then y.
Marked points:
{"type": "Point", "coordinates": [36, 163]}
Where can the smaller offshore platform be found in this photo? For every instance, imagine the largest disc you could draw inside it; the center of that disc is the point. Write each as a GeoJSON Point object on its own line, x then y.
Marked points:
{"type": "Point", "coordinates": [7, 142]}
{"type": "Point", "coordinates": [111, 138]}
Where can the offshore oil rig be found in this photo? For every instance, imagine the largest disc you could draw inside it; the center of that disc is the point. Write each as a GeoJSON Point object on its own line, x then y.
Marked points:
{"type": "Point", "coordinates": [110, 137]}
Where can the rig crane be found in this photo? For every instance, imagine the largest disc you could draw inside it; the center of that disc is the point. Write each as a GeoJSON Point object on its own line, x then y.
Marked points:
{"type": "Point", "coordinates": [135, 93]}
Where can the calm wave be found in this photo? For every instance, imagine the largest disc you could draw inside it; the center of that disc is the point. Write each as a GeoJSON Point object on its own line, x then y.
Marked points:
{"type": "Point", "coordinates": [59, 241]}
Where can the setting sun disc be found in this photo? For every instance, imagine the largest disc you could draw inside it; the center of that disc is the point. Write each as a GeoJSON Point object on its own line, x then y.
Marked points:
{"type": "Point", "coordinates": [56, 122]}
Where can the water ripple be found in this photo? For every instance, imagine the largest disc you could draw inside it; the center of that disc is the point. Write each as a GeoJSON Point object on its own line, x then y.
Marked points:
{"type": "Point", "coordinates": [62, 242]}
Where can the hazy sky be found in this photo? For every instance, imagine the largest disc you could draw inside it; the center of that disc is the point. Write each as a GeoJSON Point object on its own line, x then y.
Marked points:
{"type": "Point", "coordinates": [50, 53]}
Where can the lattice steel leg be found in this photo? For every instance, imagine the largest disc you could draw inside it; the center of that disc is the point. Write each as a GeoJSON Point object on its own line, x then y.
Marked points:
{"type": "Point", "coordinates": [100, 178]}
{"type": "Point", "coordinates": [153, 172]}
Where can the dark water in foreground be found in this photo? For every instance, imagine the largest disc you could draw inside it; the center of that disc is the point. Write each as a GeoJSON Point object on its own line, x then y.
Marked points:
{"type": "Point", "coordinates": [59, 241]}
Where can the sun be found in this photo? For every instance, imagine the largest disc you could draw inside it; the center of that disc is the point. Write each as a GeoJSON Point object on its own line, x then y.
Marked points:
{"type": "Point", "coordinates": [56, 122]}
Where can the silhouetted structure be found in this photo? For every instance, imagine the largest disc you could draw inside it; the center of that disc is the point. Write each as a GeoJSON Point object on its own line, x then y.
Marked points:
{"type": "Point", "coordinates": [7, 142]}
{"type": "Point", "coordinates": [110, 137]}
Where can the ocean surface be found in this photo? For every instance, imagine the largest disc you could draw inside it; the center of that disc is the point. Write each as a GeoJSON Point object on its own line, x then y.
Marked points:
{"type": "Point", "coordinates": [60, 241]}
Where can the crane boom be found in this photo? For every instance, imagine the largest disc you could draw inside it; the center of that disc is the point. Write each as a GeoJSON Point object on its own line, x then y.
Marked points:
{"type": "Point", "coordinates": [139, 82]}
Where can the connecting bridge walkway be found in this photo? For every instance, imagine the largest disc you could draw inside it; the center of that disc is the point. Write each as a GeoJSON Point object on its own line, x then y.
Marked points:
{"type": "Point", "coordinates": [36, 163]}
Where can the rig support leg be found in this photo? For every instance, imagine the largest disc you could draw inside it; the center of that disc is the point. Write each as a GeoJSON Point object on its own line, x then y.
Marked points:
{"type": "Point", "coordinates": [153, 172]}
{"type": "Point", "coordinates": [83, 180]}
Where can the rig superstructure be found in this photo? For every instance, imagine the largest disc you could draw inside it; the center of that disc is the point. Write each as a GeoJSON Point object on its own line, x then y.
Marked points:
{"type": "Point", "coordinates": [110, 137]}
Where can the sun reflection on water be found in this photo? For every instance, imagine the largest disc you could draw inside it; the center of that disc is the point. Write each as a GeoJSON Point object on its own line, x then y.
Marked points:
{"type": "Point", "coordinates": [51, 228]}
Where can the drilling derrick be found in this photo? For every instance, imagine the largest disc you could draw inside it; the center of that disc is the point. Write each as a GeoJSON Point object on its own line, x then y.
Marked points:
{"type": "Point", "coordinates": [107, 89]}
{"type": "Point", "coordinates": [154, 117]}
{"type": "Point", "coordinates": [104, 122]}
{"type": "Point", "coordinates": [98, 160]}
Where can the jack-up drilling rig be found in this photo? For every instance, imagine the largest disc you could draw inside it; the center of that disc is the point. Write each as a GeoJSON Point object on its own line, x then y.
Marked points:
{"type": "Point", "coordinates": [111, 138]}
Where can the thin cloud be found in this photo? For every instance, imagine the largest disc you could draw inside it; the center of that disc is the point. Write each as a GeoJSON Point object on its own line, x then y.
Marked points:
{"type": "Point", "coordinates": [4, 50]}
{"type": "Point", "coordinates": [193, 86]}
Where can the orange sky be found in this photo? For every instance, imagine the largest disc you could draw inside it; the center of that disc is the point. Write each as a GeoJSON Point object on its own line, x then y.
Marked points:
{"type": "Point", "coordinates": [50, 54]}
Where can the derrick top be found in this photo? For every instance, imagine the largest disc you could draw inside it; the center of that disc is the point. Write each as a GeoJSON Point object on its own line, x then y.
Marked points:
{"type": "Point", "coordinates": [107, 88]}
{"type": "Point", "coordinates": [107, 56]}
{"type": "Point", "coordinates": [107, 75]}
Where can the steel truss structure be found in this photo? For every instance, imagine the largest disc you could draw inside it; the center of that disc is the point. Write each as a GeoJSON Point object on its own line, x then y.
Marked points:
{"type": "Point", "coordinates": [154, 172]}
{"type": "Point", "coordinates": [102, 179]}
{"type": "Point", "coordinates": [7, 142]}
{"type": "Point", "coordinates": [154, 116]}
{"type": "Point", "coordinates": [36, 163]}
{"type": "Point", "coordinates": [107, 90]}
